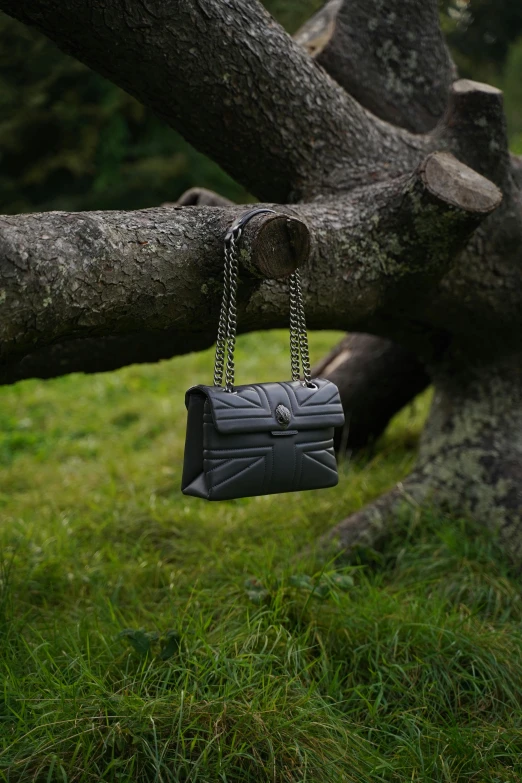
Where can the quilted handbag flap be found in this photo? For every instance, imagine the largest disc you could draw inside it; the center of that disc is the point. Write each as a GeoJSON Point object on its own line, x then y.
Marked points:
{"type": "Point", "coordinates": [263, 407]}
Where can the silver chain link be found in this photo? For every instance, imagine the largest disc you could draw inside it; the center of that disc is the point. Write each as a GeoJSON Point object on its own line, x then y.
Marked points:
{"type": "Point", "coordinates": [221, 342]}
{"type": "Point", "coordinates": [227, 326]}
{"type": "Point", "coordinates": [294, 332]}
{"type": "Point", "coordinates": [298, 325]}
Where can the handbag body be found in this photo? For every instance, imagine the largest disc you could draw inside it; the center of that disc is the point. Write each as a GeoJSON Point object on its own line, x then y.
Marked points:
{"type": "Point", "coordinates": [263, 438]}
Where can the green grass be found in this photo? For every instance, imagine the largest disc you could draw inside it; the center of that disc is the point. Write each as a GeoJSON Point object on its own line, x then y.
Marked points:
{"type": "Point", "coordinates": [146, 636]}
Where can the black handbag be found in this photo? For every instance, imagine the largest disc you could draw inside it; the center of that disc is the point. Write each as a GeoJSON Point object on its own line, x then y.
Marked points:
{"type": "Point", "coordinates": [266, 437]}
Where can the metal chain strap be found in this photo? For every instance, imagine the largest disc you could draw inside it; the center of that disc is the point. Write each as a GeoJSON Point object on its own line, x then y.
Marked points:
{"type": "Point", "coordinates": [221, 342]}
{"type": "Point", "coordinates": [232, 311]}
{"type": "Point", "coordinates": [227, 326]}
{"type": "Point", "coordinates": [294, 331]}
{"type": "Point", "coordinates": [298, 325]}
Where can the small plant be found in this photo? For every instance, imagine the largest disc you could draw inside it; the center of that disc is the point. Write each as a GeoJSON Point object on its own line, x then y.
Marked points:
{"type": "Point", "coordinates": [147, 642]}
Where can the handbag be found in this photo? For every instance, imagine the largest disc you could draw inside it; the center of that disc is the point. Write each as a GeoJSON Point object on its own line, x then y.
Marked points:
{"type": "Point", "coordinates": [262, 438]}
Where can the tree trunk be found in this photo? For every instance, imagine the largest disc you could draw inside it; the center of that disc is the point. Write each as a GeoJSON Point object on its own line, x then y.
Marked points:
{"type": "Point", "coordinates": [393, 176]}
{"type": "Point", "coordinates": [471, 450]}
{"type": "Point", "coordinates": [470, 458]}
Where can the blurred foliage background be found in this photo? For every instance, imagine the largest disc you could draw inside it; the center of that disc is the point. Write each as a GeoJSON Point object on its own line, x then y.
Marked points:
{"type": "Point", "coordinates": [71, 140]}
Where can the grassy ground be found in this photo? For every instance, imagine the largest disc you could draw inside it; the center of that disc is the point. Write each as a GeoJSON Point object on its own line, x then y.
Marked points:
{"type": "Point", "coordinates": [147, 636]}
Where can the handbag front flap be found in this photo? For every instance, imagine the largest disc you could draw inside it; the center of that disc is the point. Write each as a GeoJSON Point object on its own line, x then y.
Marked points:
{"type": "Point", "coordinates": [263, 407]}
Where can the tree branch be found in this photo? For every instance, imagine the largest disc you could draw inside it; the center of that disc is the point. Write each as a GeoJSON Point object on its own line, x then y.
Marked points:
{"type": "Point", "coordinates": [516, 167]}
{"type": "Point", "coordinates": [201, 197]}
{"type": "Point", "coordinates": [279, 124]}
{"type": "Point", "coordinates": [103, 354]}
{"type": "Point", "coordinates": [376, 379]}
{"type": "Point", "coordinates": [67, 275]}
{"type": "Point", "coordinates": [374, 523]}
{"type": "Point", "coordinates": [93, 275]}
{"type": "Point", "coordinates": [474, 129]}
{"type": "Point", "coordinates": [391, 57]}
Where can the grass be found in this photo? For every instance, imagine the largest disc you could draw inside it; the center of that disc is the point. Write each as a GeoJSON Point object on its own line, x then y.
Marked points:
{"type": "Point", "coordinates": [146, 636]}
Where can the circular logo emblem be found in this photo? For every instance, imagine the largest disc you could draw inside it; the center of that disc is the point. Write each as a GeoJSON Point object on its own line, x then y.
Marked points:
{"type": "Point", "coordinates": [283, 416]}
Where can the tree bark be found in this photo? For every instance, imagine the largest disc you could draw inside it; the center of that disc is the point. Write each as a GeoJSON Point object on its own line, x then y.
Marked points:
{"type": "Point", "coordinates": [516, 168]}
{"type": "Point", "coordinates": [71, 276]}
{"type": "Point", "coordinates": [390, 56]}
{"type": "Point", "coordinates": [376, 378]}
{"type": "Point", "coordinates": [403, 79]}
{"type": "Point", "coordinates": [201, 197]}
{"type": "Point", "coordinates": [474, 128]}
{"type": "Point", "coordinates": [67, 276]}
{"type": "Point", "coordinates": [470, 460]}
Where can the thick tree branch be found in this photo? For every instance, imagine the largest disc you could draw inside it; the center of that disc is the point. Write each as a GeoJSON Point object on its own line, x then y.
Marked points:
{"type": "Point", "coordinates": [374, 523]}
{"type": "Point", "coordinates": [474, 129]}
{"type": "Point", "coordinates": [516, 167]}
{"type": "Point", "coordinates": [279, 125]}
{"type": "Point", "coordinates": [376, 379]}
{"type": "Point", "coordinates": [390, 56]}
{"type": "Point", "coordinates": [93, 275]}
{"type": "Point", "coordinates": [67, 275]}
{"type": "Point", "coordinates": [201, 197]}
{"type": "Point", "coordinates": [103, 354]}
{"type": "Point", "coordinates": [485, 283]}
